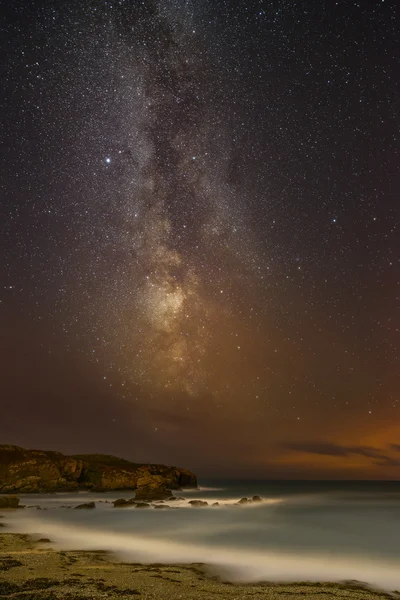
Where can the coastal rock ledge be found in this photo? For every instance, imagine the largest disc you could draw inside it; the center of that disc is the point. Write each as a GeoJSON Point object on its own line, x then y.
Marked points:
{"type": "Point", "coordinates": [40, 471]}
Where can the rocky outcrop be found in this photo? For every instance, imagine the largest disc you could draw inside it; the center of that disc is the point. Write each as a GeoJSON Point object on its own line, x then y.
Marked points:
{"type": "Point", "coordinates": [30, 471]}
{"type": "Point", "coordinates": [151, 487]}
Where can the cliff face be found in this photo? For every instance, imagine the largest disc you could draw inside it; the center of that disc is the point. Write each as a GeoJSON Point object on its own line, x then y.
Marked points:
{"type": "Point", "coordinates": [27, 471]}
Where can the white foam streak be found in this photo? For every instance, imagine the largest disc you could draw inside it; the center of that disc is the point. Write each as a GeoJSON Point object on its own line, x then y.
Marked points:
{"type": "Point", "coordinates": [243, 565]}
{"type": "Point", "coordinates": [224, 502]}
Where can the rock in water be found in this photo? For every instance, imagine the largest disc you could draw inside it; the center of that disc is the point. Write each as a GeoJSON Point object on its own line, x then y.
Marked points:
{"type": "Point", "coordinates": [86, 505]}
{"type": "Point", "coordinates": [28, 471]}
{"type": "Point", "coordinates": [243, 501]}
{"type": "Point", "coordinates": [151, 487]}
{"type": "Point", "coordinates": [198, 503]}
{"type": "Point", "coordinates": [9, 502]}
{"type": "Point", "coordinates": [257, 499]}
{"type": "Point", "coordinates": [142, 505]}
{"type": "Point", "coordinates": [121, 502]}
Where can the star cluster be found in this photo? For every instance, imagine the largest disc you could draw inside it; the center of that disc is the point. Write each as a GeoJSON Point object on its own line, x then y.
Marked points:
{"type": "Point", "coordinates": [200, 207]}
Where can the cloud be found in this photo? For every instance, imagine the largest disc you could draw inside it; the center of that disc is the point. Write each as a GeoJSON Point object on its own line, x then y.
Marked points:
{"type": "Point", "coordinates": [332, 449]}
{"type": "Point", "coordinates": [387, 461]}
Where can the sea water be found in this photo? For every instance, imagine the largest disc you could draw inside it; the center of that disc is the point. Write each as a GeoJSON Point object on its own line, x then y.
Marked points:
{"type": "Point", "coordinates": [301, 531]}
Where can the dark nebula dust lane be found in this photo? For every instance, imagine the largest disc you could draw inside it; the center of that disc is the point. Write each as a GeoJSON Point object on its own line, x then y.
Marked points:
{"type": "Point", "coordinates": [200, 225]}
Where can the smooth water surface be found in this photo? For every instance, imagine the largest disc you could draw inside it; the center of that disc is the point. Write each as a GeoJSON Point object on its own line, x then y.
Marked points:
{"type": "Point", "coordinates": [301, 531]}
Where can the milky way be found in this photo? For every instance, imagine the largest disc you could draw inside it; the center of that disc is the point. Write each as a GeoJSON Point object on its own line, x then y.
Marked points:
{"type": "Point", "coordinates": [200, 210]}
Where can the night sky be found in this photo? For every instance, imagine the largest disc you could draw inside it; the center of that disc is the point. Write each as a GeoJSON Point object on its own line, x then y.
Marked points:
{"type": "Point", "coordinates": [200, 226]}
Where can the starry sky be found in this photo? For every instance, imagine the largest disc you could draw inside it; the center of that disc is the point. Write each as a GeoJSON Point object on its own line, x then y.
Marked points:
{"type": "Point", "coordinates": [200, 225]}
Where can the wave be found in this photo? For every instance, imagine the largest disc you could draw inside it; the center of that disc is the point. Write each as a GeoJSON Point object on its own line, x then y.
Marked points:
{"type": "Point", "coordinates": [245, 565]}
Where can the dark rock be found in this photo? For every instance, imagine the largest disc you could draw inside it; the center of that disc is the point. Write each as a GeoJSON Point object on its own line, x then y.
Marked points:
{"type": "Point", "coordinates": [9, 502]}
{"type": "Point", "coordinates": [256, 499]}
{"type": "Point", "coordinates": [151, 487]}
{"type": "Point", "coordinates": [44, 541]}
{"type": "Point", "coordinates": [198, 503]}
{"type": "Point", "coordinates": [121, 502]}
{"type": "Point", "coordinates": [86, 505]}
{"type": "Point", "coordinates": [7, 563]}
{"type": "Point", "coordinates": [162, 506]}
{"type": "Point", "coordinates": [215, 504]}
{"type": "Point", "coordinates": [34, 471]}
{"type": "Point", "coordinates": [142, 505]}
{"type": "Point", "coordinates": [243, 501]}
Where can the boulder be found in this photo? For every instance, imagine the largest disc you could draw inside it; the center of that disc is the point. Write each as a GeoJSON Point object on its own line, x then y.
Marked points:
{"type": "Point", "coordinates": [86, 505]}
{"type": "Point", "coordinates": [142, 505]}
{"type": "Point", "coordinates": [121, 502]}
{"type": "Point", "coordinates": [9, 502]}
{"type": "Point", "coordinates": [151, 487]}
{"type": "Point", "coordinates": [243, 501]}
{"type": "Point", "coordinates": [256, 499]}
{"type": "Point", "coordinates": [215, 504]}
{"type": "Point", "coordinates": [198, 503]}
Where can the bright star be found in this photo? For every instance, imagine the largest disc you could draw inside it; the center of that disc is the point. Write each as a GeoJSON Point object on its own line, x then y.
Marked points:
{"type": "Point", "coordinates": [108, 160]}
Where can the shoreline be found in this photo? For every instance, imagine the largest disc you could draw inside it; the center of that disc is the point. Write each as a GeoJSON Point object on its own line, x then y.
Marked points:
{"type": "Point", "coordinates": [32, 570]}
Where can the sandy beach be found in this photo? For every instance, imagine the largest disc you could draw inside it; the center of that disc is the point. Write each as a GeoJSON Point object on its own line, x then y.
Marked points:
{"type": "Point", "coordinates": [31, 570]}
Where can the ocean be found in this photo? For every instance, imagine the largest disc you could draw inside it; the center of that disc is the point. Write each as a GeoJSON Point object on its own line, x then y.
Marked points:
{"type": "Point", "coordinates": [302, 531]}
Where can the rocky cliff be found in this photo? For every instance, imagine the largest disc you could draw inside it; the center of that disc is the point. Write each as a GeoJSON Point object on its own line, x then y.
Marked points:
{"type": "Point", "coordinates": [28, 471]}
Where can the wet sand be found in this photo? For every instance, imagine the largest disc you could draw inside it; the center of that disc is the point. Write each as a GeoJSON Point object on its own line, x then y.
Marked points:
{"type": "Point", "coordinates": [31, 570]}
